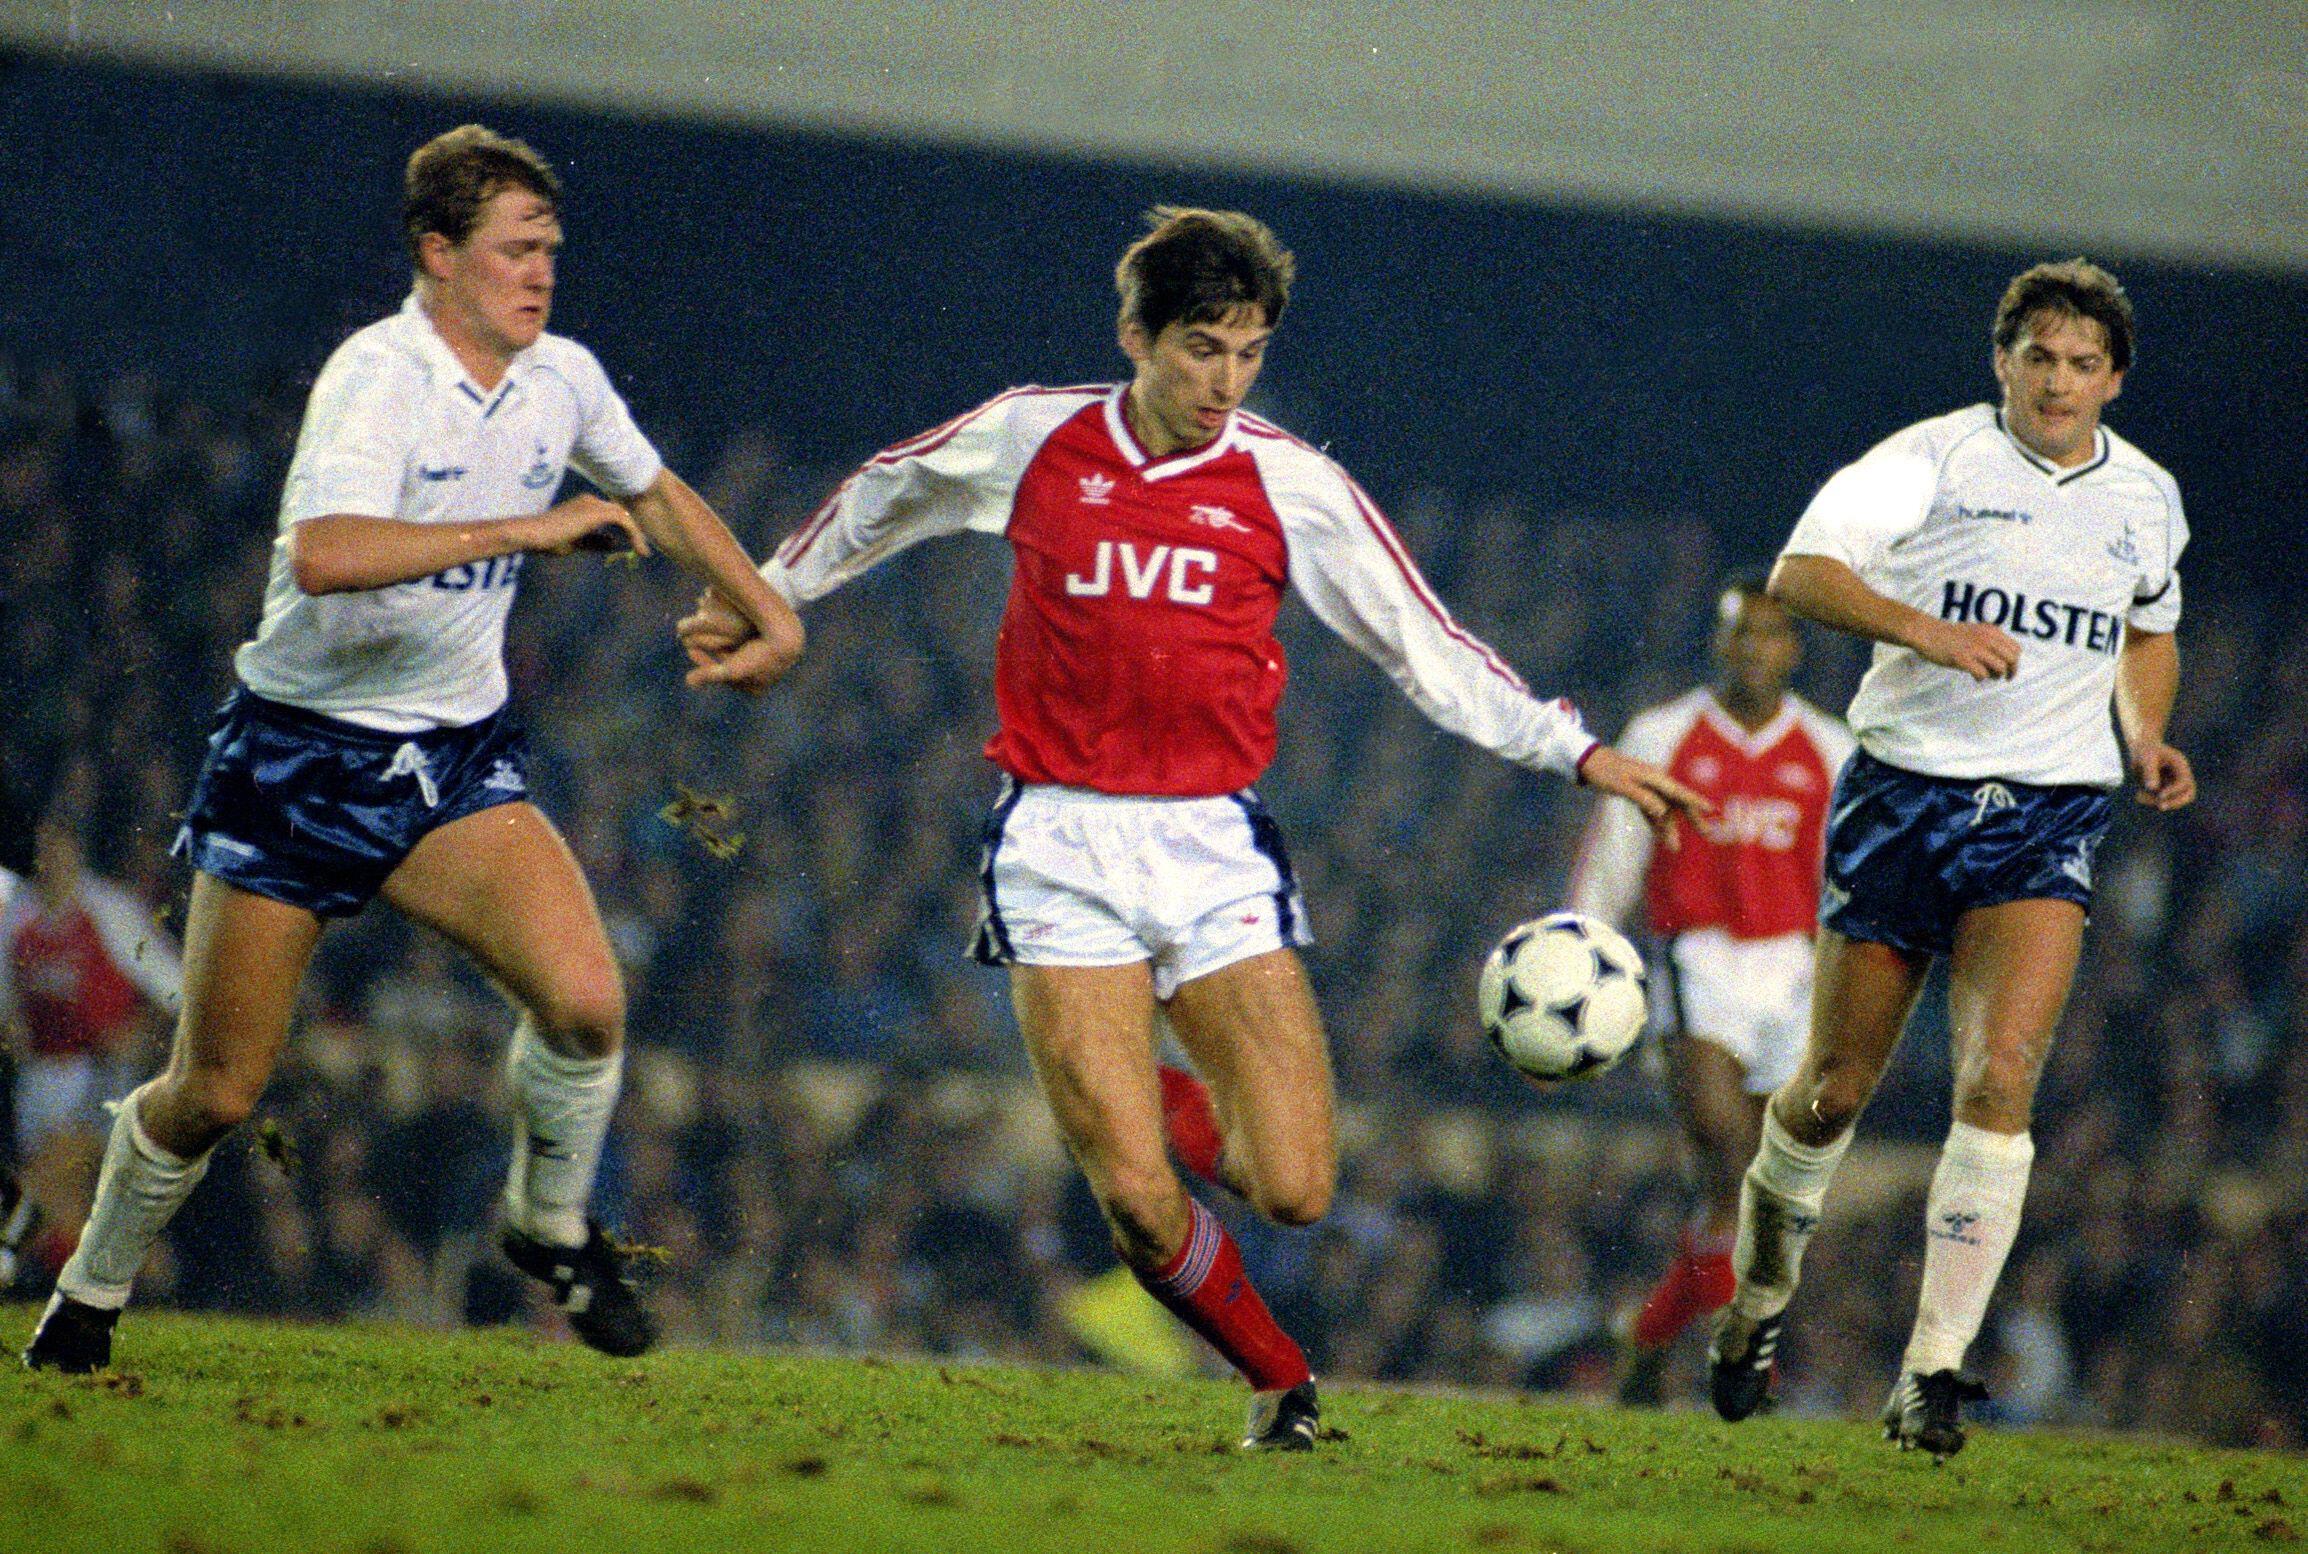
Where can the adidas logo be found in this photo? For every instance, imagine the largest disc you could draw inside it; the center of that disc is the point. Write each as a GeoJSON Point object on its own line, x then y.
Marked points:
{"type": "Point", "coordinates": [1098, 490]}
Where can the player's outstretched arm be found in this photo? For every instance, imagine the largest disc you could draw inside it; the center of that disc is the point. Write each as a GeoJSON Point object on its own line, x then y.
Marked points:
{"type": "Point", "coordinates": [687, 529]}
{"type": "Point", "coordinates": [1660, 797]}
{"type": "Point", "coordinates": [1823, 589]}
{"type": "Point", "coordinates": [2147, 682]}
{"type": "Point", "coordinates": [344, 553]}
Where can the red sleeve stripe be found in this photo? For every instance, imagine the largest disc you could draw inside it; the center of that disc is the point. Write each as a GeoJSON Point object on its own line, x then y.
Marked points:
{"type": "Point", "coordinates": [805, 536]}
{"type": "Point", "coordinates": [1410, 574]}
{"type": "Point", "coordinates": [1259, 426]}
{"type": "Point", "coordinates": [938, 436]}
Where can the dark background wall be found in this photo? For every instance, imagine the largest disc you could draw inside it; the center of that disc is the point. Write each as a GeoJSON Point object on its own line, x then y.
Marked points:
{"type": "Point", "coordinates": [215, 230]}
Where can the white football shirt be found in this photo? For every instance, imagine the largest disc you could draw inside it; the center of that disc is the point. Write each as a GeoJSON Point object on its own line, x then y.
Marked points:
{"type": "Point", "coordinates": [1957, 518]}
{"type": "Point", "coordinates": [396, 428]}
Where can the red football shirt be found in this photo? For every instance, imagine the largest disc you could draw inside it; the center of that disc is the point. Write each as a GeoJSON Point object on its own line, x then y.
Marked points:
{"type": "Point", "coordinates": [1753, 869]}
{"type": "Point", "coordinates": [1137, 651]}
{"type": "Point", "coordinates": [70, 995]}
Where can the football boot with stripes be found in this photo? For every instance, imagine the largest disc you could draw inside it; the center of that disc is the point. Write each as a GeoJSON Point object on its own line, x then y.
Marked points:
{"type": "Point", "coordinates": [1739, 1361]}
{"type": "Point", "coordinates": [1925, 1413]}
{"type": "Point", "coordinates": [593, 1284]}
{"type": "Point", "coordinates": [1286, 1420]}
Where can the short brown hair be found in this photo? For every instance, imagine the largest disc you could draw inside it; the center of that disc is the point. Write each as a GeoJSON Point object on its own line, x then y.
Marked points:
{"type": "Point", "coordinates": [2078, 289]}
{"type": "Point", "coordinates": [452, 178]}
{"type": "Point", "coordinates": [1198, 266]}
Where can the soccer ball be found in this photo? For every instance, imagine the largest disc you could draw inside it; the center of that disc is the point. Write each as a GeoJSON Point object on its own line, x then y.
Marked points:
{"type": "Point", "coordinates": [1563, 997]}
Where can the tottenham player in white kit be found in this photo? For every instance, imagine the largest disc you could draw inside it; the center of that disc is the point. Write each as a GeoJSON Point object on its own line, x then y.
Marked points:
{"type": "Point", "coordinates": [367, 751]}
{"type": "Point", "coordinates": [1129, 867]}
{"type": "Point", "coordinates": [2017, 567]}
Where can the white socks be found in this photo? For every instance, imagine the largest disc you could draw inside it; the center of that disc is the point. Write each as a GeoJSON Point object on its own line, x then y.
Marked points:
{"type": "Point", "coordinates": [1779, 1204]}
{"type": "Point", "coordinates": [1970, 1223]}
{"type": "Point", "coordinates": [561, 1110]}
{"type": "Point", "coordinates": [141, 1188]}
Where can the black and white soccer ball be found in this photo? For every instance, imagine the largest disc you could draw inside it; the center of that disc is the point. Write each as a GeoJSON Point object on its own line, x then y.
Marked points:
{"type": "Point", "coordinates": [1564, 997]}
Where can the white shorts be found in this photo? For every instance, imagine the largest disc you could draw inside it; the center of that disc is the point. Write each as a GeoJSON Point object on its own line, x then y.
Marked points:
{"type": "Point", "coordinates": [1070, 877]}
{"type": "Point", "coordinates": [1751, 997]}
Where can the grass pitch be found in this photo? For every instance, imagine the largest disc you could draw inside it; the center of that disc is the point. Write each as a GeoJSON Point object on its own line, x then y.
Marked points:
{"type": "Point", "coordinates": [231, 1437]}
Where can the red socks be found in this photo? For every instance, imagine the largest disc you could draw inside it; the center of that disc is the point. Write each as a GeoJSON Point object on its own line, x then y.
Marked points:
{"type": "Point", "coordinates": [1698, 1281]}
{"type": "Point", "coordinates": [1205, 1287]}
{"type": "Point", "coordinates": [1204, 1284]}
{"type": "Point", "coordinates": [1192, 1123]}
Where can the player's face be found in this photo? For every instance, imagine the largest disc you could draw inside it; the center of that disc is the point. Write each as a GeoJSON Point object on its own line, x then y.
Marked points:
{"type": "Point", "coordinates": [1756, 644]}
{"type": "Point", "coordinates": [2057, 377]}
{"type": "Point", "coordinates": [496, 287]}
{"type": "Point", "coordinates": [1191, 377]}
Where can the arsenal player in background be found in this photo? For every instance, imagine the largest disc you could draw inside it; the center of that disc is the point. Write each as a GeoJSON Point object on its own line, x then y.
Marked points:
{"type": "Point", "coordinates": [1129, 867]}
{"type": "Point", "coordinates": [1732, 912]}
{"type": "Point", "coordinates": [85, 971]}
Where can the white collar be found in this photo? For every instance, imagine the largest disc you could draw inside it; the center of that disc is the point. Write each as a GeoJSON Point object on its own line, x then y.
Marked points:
{"type": "Point", "coordinates": [448, 369]}
{"type": "Point", "coordinates": [2058, 475]}
{"type": "Point", "coordinates": [1749, 744]}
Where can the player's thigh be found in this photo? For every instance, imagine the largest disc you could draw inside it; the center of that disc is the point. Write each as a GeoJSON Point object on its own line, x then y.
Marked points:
{"type": "Point", "coordinates": [1255, 1034]}
{"type": "Point", "coordinates": [244, 958]}
{"type": "Point", "coordinates": [503, 886]}
{"type": "Point", "coordinates": [2008, 982]}
{"type": "Point", "coordinates": [1089, 1032]}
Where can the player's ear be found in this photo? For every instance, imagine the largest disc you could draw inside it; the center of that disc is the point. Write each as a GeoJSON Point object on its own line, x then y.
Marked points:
{"type": "Point", "coordinates": [433, 250]}
{"type": "Point", "coordinates": [1136, 343]}
{"type": "Point", "coordinates": [2115, 383]}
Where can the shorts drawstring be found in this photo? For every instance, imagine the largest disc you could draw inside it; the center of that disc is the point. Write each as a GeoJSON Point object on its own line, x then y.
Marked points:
{"type": "Point", "coordinates": [409, 761]}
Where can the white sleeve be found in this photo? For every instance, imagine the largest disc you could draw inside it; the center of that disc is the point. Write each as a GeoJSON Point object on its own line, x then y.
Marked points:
{"type": "Point", "coordinates": [1615, 853]}
{"type": "Point", "coordinates": [2156, 607]}
{"type": "Point", "coordinates": [138, 945]}
{"type": "Point", "coordinates": [610, 450]}
{"type": "Point", "coordinates": [960, 476]}
{"type": "Point", "coordinates": [1353, 572]}
{"type": "Point", "coordinates": [360, 426]}
{"type": "Point", "coordinates": [1867, 507]}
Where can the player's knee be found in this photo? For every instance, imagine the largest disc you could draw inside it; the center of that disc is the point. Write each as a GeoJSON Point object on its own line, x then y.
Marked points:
{"type": "Point", "coordinates": [209, 1103]}
{"type": "Point", "coordinates": [1997, 1083]}
{"type": "Point", "coordinates": [1299, 1200]}
{"type": "Point", "coordinates": [1145, 1206]}
{"type": "Point", "coordinates": [1825, 1105]}
{"type": "Point", "coordinates": [585, 1017]}
{"type": "Point", "coordinates": [1297, 1192]}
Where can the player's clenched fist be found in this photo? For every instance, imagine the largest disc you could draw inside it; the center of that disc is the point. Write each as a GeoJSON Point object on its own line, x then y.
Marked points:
{"type": "Point", "coordinates": [585, 522]}
{"type": "Point", "coordinates": [714, 629]}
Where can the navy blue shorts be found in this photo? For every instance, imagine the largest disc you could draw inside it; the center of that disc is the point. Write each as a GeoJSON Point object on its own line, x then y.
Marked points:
{"type": "Point", "coordinates": [1907, 854]}
{"type": "Point", "coordinates": [316, 812]}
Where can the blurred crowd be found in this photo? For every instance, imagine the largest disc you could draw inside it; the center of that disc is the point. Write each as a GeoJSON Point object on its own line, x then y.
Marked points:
{"type": "Point", "coordinates": [829, 1131]}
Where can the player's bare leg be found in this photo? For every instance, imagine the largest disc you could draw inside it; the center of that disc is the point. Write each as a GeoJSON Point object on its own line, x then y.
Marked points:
{"type": "Point", "coordinates": [503, 886]}
{"type": "Point", "coordinates": [1861, 996]}
{"type": "Point", "coordinates": [244, 956]}
{"type": "Point", "coordinates": [2008, 982]}
{"type": "Point", "coordinates": [1089, 1031]}
{"type": "Point", "coordinates": [1255, 1034]}
{"type": "Point", "coordinates": [1722, 1125]}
